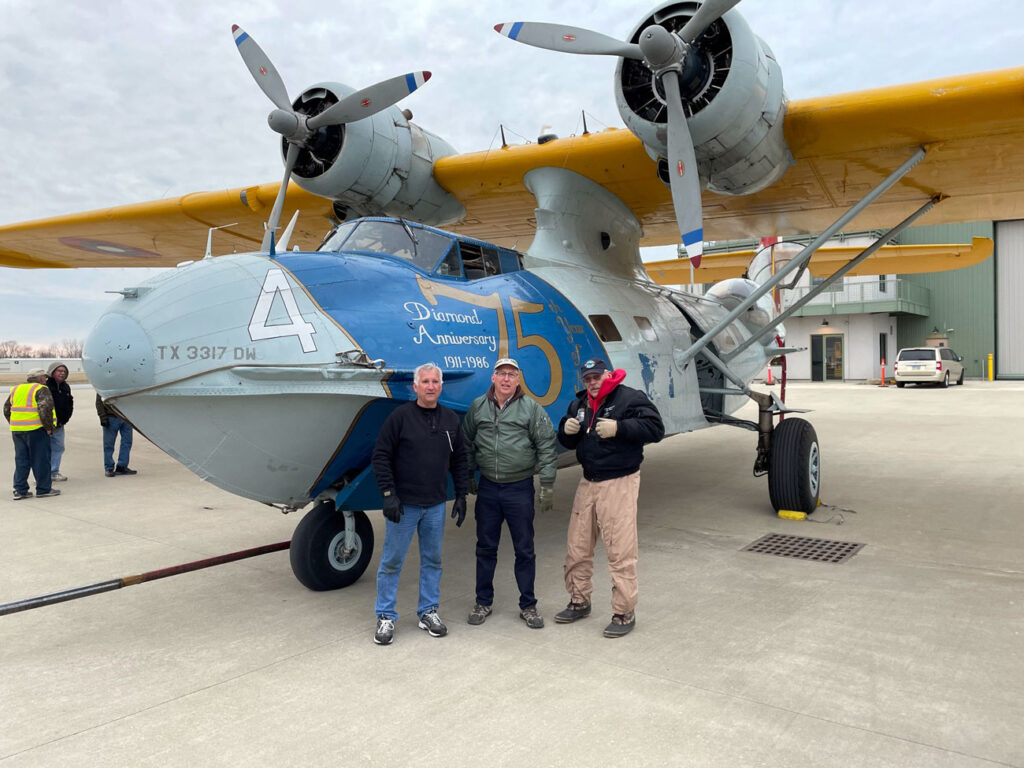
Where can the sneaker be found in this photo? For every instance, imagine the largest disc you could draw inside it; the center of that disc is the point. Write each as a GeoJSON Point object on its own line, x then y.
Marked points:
{"type": "Point", "coordinates": [385, 631]}
{"type": "Point", "coordinates": [108, 472]}
{"type": "Point", "coordinates": [622, 624]}
{"type": "Point", "coordinates": [19, 495]}
{"type": "Point", "coordinates": [479, 614]}
{"type": "Point", "coordinates": [572, 612]}
{"type": "Point", "coordinates": [431, 622]}
{"type": "Point", "coordinates": [51, 492]}
{"type": "Point", "coordinates": [533, 619]}
{"type": "Point", "coordinates": [125, 471]}
{"type": "Point", "coordinates": [57, 477]}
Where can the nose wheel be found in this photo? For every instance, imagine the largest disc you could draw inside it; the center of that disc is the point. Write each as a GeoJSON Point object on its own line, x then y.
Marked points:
{"type": "Point", "coordinates": [323, 555]}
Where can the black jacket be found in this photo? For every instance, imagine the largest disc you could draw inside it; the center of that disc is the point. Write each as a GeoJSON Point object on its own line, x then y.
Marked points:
{"type": "Point", "coordinates": [63, 401]}
{"type": "Point", "coordinates": [608, 458]}
{"type": "Point", "coordinates": [416, 449]}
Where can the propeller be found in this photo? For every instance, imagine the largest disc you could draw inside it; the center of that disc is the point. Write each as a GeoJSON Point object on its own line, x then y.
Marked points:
{"type": "Point", "coordinates": [665, 53]}
{"type": "Point", "coordinates": [297, 128]}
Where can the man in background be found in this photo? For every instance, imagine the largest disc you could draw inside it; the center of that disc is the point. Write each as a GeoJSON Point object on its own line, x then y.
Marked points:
{"type": "Point", "coordinates": [63, 406]}
{"type": "Point", "coordinates": [29, 411]}
{"type": "Point", "coordinates": [113, 425]}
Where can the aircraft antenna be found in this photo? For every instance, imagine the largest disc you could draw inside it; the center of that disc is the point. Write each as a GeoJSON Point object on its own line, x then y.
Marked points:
{"type": "Point", "coordinates": [209, 238]}
{"type": "Point", "coordinates": [503, 142]}
{"type": "Point", "coordinates": [585, 131]}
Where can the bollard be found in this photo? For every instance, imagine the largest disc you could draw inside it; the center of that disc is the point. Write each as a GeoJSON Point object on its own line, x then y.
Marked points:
{"type": "Point", "coordinates": [883, 373]}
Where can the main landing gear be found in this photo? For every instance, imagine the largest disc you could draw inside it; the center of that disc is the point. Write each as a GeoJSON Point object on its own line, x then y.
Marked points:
{"type": "Point", "coordinates": [788, 453]}
{"type": "Point", "coordinates": [331, 549]}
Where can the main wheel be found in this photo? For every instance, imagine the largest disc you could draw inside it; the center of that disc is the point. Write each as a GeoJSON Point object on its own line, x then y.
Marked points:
{"type": "Point", "coordinates": [794, 466]}
{"type": "Point", "coordinates": [318, 556]}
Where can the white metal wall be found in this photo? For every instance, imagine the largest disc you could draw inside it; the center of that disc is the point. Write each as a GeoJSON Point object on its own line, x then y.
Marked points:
{"type": "Point", "coordinates": [1009, 295]}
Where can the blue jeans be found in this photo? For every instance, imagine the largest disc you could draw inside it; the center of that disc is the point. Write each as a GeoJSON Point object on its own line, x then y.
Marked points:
{"type": "Point", "coordinates": [428, 523]}
{"type": "Point", "coordinates": [56, 449]}
{"type": "Point", "coordinates": [31, 452]}
{"type": "Point", "coordinates": [115, 427]}
{"type": "Point", "coordinates": [513, 504]}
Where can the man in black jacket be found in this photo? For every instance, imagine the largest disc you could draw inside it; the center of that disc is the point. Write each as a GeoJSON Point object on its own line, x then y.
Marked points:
{"type": "Point", "coordinates": [608, 424]}
{"type": "Point", "coordinates": [64, 405]}
{"type": "Point", "coordinates": [419, 444]}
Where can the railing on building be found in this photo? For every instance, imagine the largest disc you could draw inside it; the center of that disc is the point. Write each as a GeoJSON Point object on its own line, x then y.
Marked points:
{"type": "Point", "coordinates": [850, 298]}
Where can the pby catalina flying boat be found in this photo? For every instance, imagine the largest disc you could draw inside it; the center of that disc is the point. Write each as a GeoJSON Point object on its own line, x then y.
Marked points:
{"type": "Point", "coordinates": [269, 372]}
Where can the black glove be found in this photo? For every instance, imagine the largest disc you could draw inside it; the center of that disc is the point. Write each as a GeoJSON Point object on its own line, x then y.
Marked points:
{"type": "Point", "coordinates": [459, 511]}
{"type": "Point", "coordinates": [473, 486]}
{"type": "Point", "coordinates": [392, 507]}
{"type": "Point", "coordinates": [104, 422]}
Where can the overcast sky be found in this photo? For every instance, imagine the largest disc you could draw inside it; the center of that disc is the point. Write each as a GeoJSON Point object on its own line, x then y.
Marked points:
{"type": "Point", "coordinates": [107, 103]}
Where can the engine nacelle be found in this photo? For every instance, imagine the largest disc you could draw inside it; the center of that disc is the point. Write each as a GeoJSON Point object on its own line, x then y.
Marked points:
{"type": "Point", "coordinates": [733, 99]}
{"type": "Point", "coordinates": [381, 165]}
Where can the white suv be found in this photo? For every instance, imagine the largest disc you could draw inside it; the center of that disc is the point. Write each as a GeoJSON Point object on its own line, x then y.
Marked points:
{"type": "Point", "coordinates": [928, 365]}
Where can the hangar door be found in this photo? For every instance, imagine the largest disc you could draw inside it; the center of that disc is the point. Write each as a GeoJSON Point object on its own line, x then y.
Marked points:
{"type": "Point", "coordinates": [1009, 292]}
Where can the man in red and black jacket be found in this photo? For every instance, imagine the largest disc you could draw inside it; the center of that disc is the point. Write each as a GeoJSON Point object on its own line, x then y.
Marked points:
{"type": "Point", "coordinates": [608, 424]}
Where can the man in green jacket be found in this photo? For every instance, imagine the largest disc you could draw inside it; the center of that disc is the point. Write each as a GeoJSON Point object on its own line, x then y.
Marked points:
{"type": "Point", "coordinates": [509, 438]}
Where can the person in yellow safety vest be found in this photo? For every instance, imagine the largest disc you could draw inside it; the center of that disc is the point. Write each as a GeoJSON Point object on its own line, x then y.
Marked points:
{"type": "Point", "coordinates": [29, 410]}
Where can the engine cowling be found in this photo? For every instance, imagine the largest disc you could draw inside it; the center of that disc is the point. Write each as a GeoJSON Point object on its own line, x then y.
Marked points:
{"type": "Point", "coordinates": [732, 95]}
{"type": "Point", "coordinates": [381, 165]}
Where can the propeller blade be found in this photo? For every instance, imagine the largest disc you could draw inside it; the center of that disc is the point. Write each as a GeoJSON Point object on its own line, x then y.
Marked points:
{"type": "Point", "coordinates": [706, 15]}
{"type": "Point", "coordinates": [683, 176]}
{"type": "Point", "coordinates": [263, 72]}
{"type": "Point", "coordinates": [559, 37]}
{"type": "Point", "coordinates": [282, 244]}
{"type": "Point", "coordinates": [368, 101]}
{"type": "Point", "coordinates": [275, 213]}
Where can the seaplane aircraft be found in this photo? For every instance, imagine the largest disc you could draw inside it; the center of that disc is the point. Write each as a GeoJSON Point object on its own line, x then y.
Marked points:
{"type": "Point", "coordinates": [268, 371]}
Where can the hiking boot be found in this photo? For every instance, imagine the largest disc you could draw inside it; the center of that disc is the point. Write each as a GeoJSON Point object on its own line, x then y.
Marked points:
{"type": "Point", "coordinates": [125, 471]}
{"type": "Point", "coordinates": [573, 612]}
{"type": "Point", "coordinates": [385, 631]}
{"type": "Point", "coordinates": [622, 624]}
{"type": "Point", "coordinates": [19, 495]}
{"type": "Point", "coordinates": [479, 614]}
{"type": "Point", "coordinates": [108, 472]}
{"type": "Point", "coordinates": [57, 477]}
{"type": "Point", "coordinates": [533, 619]}
{"type": "Point", "coordinates": [51, 492]}
{"type": "Point", "coordinates": [431, 622]}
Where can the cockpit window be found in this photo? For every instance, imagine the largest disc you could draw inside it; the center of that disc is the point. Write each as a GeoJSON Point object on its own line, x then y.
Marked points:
{"type": "Point", "coordinates": [335, 240]}
{"type": "Point", "coordinates": [423, 248]}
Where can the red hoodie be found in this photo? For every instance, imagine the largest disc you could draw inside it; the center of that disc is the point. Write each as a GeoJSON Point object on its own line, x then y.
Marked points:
{"type": "Point", "coordinates": [606, 388]}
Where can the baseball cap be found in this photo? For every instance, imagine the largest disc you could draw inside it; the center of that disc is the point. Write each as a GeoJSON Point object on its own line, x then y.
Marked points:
{"type": "Point", "coordinates": [593, 365]}
{"type": "Point", "coordinates": [506, 361]}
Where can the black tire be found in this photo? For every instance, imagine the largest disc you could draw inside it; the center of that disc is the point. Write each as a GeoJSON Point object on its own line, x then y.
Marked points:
{"type": "Point", "coordinates": [794, 467]}
{"type": "Point", "coordinates": [316, 548]}
{"type": "Point", "coordinates": [960, 380]}
{"type": "Point", "coordinates": [901, 384]}
{"type": "Point", "coordinates": [945, 380]}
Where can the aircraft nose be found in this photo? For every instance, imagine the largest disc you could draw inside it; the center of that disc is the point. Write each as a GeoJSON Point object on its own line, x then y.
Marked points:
{"type": "Point", "coordinates": [118, 355]}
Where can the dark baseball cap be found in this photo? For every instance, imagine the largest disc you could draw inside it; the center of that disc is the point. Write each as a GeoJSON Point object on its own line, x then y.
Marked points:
{"type": "Point", "coordinates": [593, 365]}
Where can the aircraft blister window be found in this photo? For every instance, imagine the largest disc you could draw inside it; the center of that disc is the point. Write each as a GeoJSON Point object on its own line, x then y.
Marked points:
{"type": "Point", "coordinates": [646, 329]}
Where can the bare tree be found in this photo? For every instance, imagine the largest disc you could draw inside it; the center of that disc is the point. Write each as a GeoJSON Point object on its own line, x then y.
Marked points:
{"type": "Point", "coordinates": [7, 348]}
{"type": "Point", "coordinates": [70, 348]}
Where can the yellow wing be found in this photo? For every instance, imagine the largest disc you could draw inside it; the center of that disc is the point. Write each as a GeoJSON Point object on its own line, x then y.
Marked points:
{"type": "Point", "coordinates": [843, 145]}
{"type": "Point", "coordinates": [888, 260]}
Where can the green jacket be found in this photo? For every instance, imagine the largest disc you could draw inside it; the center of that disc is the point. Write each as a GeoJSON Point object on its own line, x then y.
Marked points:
{"type": "Point", "coordinates": [511, 443]}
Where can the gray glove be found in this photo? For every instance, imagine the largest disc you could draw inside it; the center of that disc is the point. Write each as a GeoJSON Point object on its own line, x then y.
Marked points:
{"type": "Point", "coordinates": [571, 426]}
{"type": "Point", "coordinates": [546, 498]}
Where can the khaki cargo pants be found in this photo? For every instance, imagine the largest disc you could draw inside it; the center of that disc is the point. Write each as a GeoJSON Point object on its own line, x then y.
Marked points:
{"type": "Point", "coordinates": [608, 507]}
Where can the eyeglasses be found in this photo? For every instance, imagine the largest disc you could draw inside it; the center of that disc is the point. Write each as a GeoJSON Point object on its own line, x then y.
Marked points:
{"type": "Point", "coordinates": [507, 374]}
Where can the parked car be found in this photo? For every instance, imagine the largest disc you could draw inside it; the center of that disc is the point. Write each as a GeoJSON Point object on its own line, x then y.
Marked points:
{"type": "Point", "coordinates": [928, 365]}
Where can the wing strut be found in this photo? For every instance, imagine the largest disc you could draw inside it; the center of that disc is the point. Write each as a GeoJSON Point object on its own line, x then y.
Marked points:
{"type": "Point", "coordinates": [839, 273]}
{"type": "Point", "coordinates": [801, 258]}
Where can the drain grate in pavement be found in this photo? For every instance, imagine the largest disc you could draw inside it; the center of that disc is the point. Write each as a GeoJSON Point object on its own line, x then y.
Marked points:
{"type": "Point", "coordinates": [805, 548]}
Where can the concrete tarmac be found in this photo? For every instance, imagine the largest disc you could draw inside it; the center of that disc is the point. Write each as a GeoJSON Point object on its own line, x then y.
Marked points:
{"type": "Point", "coordinates": [908, 654]}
